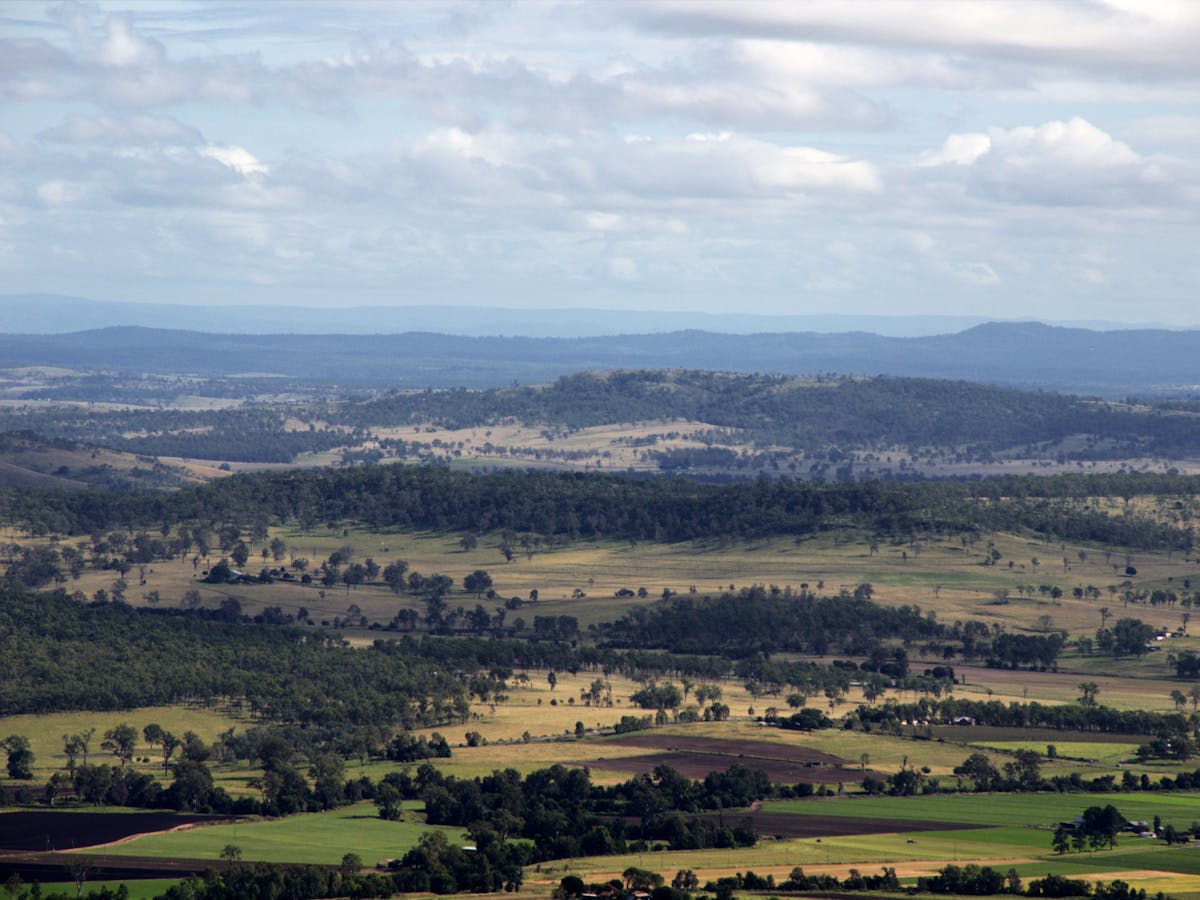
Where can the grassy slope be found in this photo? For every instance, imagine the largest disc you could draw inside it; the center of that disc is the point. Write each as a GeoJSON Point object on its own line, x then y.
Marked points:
{"type": "Point", "coordinates": [45, 733]}
{"type": "Point", "coordinates": [943, 576]}
{"type": "Point", "coordinates": [310, 838]}
{"type": "Point", "coordinates": [1178, 809]}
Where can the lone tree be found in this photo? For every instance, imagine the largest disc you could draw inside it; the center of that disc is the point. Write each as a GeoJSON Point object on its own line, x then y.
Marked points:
{"type": "Point", "coordinates": [230, 854]}
{"type": "Point", "coordinates": [121, 742]}
{"type": "Point", "coordinates": [477, 582]}
{"type": "Point", "coordinates": [156, 736]}
{"type": "Point", "coordinates": [1087, 693]}
{"type": "Point", "coordinates": [20, 757]}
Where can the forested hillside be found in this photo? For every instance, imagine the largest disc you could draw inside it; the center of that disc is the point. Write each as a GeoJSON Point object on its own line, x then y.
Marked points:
{"type": "Point", "coordinates": [572, 506]}
{"type": "Point", "coordinates": [739, 425]}
{"type": "Point", "coordinates": [805, 413]}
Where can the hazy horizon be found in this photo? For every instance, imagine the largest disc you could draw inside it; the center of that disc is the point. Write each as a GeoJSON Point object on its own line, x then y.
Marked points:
{"type": "Point", "coordinates": [60, 314]}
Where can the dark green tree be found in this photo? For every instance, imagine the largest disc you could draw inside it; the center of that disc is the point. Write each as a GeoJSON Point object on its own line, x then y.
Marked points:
{"type": "Point", "coordinates": [20, 757]}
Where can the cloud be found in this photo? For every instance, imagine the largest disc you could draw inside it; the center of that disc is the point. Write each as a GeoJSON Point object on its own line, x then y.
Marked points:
{"type": "Point", "coordinates": [239, 159]}
{"type": "Point", "coordinates": [1156, 36]}
{"type": "Point", "coordinates": [135, 129]}
{"type": "Point", "coordinates": [729, 165]}
{"type": "Point", "coordinates": [122, 46]}
{"type": "Point", "coordinates": [673, 149]}
{"type": "Point", "coordinates": [959, 149]}
{"type": "Point", "coordinates": [1071, 163]}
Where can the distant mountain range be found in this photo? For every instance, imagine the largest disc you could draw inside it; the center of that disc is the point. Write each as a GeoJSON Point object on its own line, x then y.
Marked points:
{"type": "Point", "coordinates": [54, 314]}
{"type": "Point", "coordinates": [1027, 355]}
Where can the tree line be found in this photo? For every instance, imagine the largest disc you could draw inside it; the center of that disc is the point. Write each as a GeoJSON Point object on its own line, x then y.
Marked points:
{"type": "Point", "coordinates": [574, 506]}
{"type": "Point", "coordinates": [1014, 714]}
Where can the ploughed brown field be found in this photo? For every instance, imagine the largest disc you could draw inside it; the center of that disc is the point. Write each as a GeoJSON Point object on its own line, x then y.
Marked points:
{"type": "Point", "coordinates": [32, 844]}
{"type": "Point", "coordinates": [47, 830]}
{"type": "Point", "coordinates": [695, 757]}
{"type": "Point", "coordinates": [57, 866]}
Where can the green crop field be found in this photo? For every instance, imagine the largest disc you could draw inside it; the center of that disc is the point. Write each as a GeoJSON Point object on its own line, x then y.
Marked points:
{"type": "Point", "coordinates": [307, 838]}
{"type": "Point", "coordinates": [1177, 809]}
{"type": "Point", "coordinates": [1105, 753]}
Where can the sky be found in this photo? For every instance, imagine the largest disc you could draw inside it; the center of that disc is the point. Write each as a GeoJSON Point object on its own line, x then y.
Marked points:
{"type": "Point", "coordinates": [1002, 159]}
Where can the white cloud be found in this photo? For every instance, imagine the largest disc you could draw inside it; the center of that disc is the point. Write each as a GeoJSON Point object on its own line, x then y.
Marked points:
{"type": "Point", "coordinates": [1062, 163]}
{"type": "Point", "coordinates": [960, 149]}
{"type": "Point", "coordinates": [239, 159]}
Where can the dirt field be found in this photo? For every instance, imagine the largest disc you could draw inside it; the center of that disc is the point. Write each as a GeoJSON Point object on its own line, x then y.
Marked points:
{"type": "Point", "coordinates": [33, 844]}
{"type": "Point", "coordinates": [47, 831]}
{"type": "Point", "coordinates": [51, 867]}
{"type": "Point", "coordinates": [695, 757]}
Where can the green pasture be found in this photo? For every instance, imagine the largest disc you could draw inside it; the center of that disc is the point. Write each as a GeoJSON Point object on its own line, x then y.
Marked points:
{"type": "Point", "coordinates": [1136, 853]}
{"type": "Point", "coordinates": [1037, 738]}
{"type": "Point", "coordinates": [1004, 840]}
{"type": "Point", "coordinates": [322, 838]}
{"type": "Point", "coordinates": [1102, 753]}
{"type": "Point", "coordinates": [1178, 809]}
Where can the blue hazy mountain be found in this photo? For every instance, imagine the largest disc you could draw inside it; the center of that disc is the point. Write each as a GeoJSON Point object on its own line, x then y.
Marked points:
{"type": "Point", "coordinates": [1027, 355]}
{"type": "Point", "coordinates": [52, 314]}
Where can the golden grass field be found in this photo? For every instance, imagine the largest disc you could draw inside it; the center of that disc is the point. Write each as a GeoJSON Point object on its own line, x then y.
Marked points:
{"type": "Point", "coordinates": [939, 575]}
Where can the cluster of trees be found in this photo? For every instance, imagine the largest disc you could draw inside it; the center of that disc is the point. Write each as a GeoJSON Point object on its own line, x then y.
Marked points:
{"type": "Point", "coordinates": [1187, 664]}
{"type": "Point", "coordinates": [1068, 717]}
{"type": "Point", "coordinates": [1128, 637]}
{"type": "Point", "coordinates": [258, 881]}
{"type": "Point", "coordinates": [58, 654]}
{"type": "Point", "coordinates": [1096, 829]}
{"type": "Point", "coordinates": [757, 620]}
{"type": "Point", "coordinates": [797, 882]}
{"type": "Point", "coordinates": [407, 748]}
{"type": "Point", "coordinates": [565, 815]}
{"type": "Point", "coordinates": [302, 769]}
{"type": "Point", "coordinates": [971, 880]}
{"type": "Point", "coordinates": [1023, 773]}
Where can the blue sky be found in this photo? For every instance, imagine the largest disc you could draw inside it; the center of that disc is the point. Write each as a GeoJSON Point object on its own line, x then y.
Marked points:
{"type": "Point", "coordinates": [1005, 159]}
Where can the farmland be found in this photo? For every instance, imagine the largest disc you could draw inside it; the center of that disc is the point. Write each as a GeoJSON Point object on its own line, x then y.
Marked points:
{"type": "Point", "coordinates": [560, 638]}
